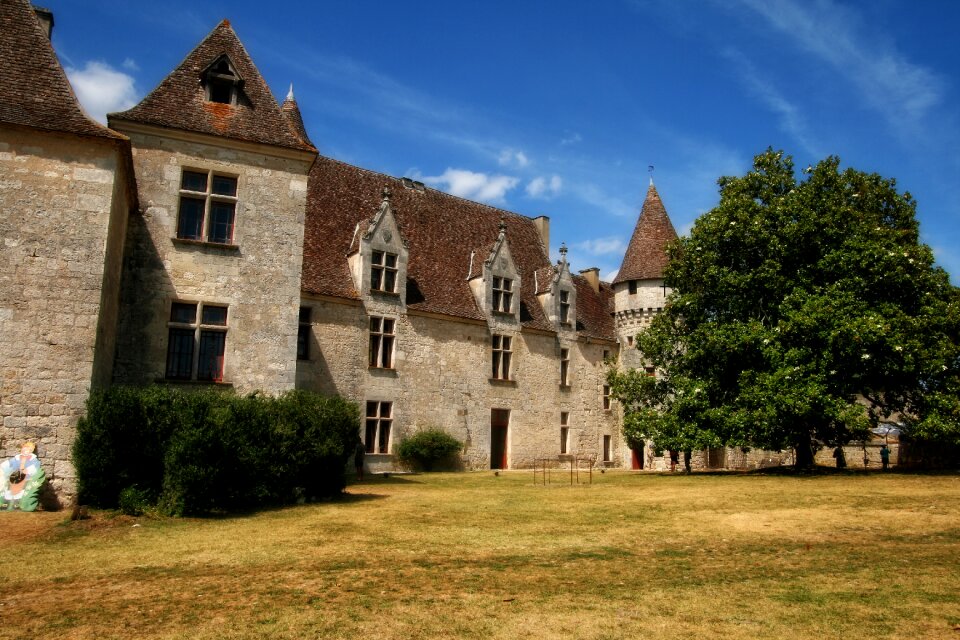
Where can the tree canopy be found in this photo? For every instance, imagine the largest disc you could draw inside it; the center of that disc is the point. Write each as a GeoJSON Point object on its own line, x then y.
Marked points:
{"type": "Point", "coordinates": [803, 311]}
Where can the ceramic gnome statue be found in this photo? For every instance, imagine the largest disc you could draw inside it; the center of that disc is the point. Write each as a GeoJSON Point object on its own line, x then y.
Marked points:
{"type": "Point", "coordinates": [21, 478]}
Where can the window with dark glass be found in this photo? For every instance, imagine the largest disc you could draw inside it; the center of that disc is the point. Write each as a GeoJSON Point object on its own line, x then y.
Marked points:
{"type": "Point", "coordinates": [564, 367]}
{"type": "Point", "coordinates": [303, 334]}
{"type": "Point", "coordinates": [502, 294]}
{"type": "Point", "coordinates": [208, 204]}
{"type": "Point", "coordinates": [564, 432]}
{"type": "Point", "coordinates": [501, 357]}
{"type": "Point", "coordinates": [633, 287]}
{"type": "Point", "coordinates": [195, 350]}
{"type": "Point", "coordinates": [381, 342]}
{"type": "Point", "coordinates": [606, 397]}
{"type": "Point", "coordinates": [383, 272]}
{"type": "Point", "coordinates": [565, 307]}
{"type": "Point", "coordinates": [379, 418]}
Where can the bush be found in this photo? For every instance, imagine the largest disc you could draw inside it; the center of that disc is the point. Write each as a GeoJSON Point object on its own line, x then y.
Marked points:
{"type": "Point", "coordinates": [200, 451]}
{"type": "Point", "coordinates": [426, 449]}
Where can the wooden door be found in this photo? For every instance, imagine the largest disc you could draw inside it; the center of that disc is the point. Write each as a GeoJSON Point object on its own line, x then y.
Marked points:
{"type": "Point", "coordinates": [499, 425]}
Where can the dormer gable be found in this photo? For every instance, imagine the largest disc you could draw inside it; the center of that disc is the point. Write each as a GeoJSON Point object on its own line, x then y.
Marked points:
{"type": "Point", "coordinates": [496, 284]}
{"type": "Point", "coordinates": [379, 256]}
{"type": "Point", "coordinates": [558, 294]}
{"type": "Point", "coordinates": [222, 83]}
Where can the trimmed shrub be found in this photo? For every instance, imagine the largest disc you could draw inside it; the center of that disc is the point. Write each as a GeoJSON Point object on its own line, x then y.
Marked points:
{"type": "Point", "coordinates": [202, 451]}
{"type": "Point", "coordinates": [428, 448]}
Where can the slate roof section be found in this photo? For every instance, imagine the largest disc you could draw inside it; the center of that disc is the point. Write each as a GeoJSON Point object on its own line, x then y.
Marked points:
{"type": "Point", "coordinates": [179, 101]}
{"type": "Point", "coordinates": [441, 231]}
{"type": "Point", "coordinates": [34, 90]}
{"type": "Point", "coordinates": [646, 255]}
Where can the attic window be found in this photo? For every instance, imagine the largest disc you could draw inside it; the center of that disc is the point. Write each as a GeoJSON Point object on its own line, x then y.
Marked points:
{"type": "Point", "coordinates": [221, 82]}
{"type": "Point", "coordinates": [565, 307]}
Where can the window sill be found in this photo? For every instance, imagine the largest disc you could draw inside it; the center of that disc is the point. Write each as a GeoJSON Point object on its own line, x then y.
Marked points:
{"type": "Point", "coordinates": [382, 371]}
{"type": "Point", "coordinates": [502, 383]}
{"type": "Point", "coordinates": [566, 387]}
{"type": "Point", "coordinates": [385, 294]}
{"type": "Point", "coordinates": [230, 248]}
{"type": "Point", "coordinates": [502, 314]}
{"type": "Point", "coordinates": [199, 383]}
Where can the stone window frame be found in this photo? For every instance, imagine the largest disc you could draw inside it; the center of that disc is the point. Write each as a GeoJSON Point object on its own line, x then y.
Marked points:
{"type": "Point", "coordinates": [501, 350]}
{"type": "Point", "coordinates": [565, 307]}
{"type": "Point", "coordinates": [564, 433]}
{"type": "Point", "coordinates": [606, 447]}
{"type": "Point", "coordinates": [214, 200]}
{"type": "Point", "coordinates": [196, 341]}
{"type": "Point", "coordinates": [382, 342]}
{"type": "Point", "coordinates": [564, 368]}
{"type": "Point", "coordinates": [607, 398]}
{"type": "Point", "coordinates": [221, 82]}
{"type": "Point", "coordinates": [633, 287]}
{"type": "Point", "coordinates": [378, 426]}
{"type": "Point", "coordinates": [501, 299]}
{"type": "Point", "coordinates": [303, 333]}
{"type": "Point", "coordinates": [384, 272]}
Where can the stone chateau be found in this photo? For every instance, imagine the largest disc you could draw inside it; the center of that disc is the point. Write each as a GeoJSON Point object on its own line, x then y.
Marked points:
{"type": "Point", "coordinates": [200, 239]}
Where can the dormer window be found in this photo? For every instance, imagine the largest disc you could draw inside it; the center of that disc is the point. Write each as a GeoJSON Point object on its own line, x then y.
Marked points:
{"type": "Point", "coordinates": [383, 272]}
{"type": "Point", "coordinates": [564, 307]}
{"type": "Point", "coordinates": [221, 82]}
{"type": "Point", "coordinates": [502, 294]}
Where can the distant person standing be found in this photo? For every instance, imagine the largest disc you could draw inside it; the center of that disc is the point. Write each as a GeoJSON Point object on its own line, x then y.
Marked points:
{"type": "Point", "coordinates": [840, 457]}
{"type": "Point", "coordinates": [884, 456]}
{"type": "Point", "coordinates": [358, 455]}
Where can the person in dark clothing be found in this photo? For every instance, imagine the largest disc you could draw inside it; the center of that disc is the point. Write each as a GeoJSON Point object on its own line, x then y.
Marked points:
{"type": "Point", "coordinates": [358, 456]}
{"type": "Point", "coordinates": [841, 458]}
{"type": "Point", "coordinates": [884, 456]}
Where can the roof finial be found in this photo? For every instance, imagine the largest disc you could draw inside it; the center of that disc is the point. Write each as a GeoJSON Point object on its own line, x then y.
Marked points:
{"type": "Point", "coordinates": [290, 93]}
{"type": "Point", "coordinates": [650, 171]}
{"type": "Point", "coordinates": [387, 194]}
{"type": "Point", "coordinates": [563, 251]}
{"type": "Point", "coordinates": [503, 226]}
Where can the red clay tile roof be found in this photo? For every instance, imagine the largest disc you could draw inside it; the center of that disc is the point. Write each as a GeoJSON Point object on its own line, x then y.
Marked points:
{"type": "Point", "coordinates": [594, 310]}
{"type": "Point", "coordinates": [34, 90]}
{"type": "Point", "coordinates": [179, 102]}
{"type": "Point", "coordinates": [291, 112]}
{"type": "Point", "coordinates": [646, 255]}
{"type": "Point", "coordinates": [441, 231]}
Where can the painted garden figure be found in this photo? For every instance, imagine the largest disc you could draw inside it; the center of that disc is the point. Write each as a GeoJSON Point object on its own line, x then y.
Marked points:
{"type": "Point", "coordinates": [21, 478]}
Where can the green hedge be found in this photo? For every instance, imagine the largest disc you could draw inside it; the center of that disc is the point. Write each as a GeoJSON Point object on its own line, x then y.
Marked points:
{"type": "Point", "coordinates": [428, 448]}
{"type": "Point", "coordinates": [192, 452]}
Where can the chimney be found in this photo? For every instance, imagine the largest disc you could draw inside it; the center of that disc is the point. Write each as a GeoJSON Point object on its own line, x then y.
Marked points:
{"type": "Point", "coordinates": [592, 275]}
{"type": "Point", "coordinates": [543, 226]}
{"type": "Point", "coordinates": [45, 16]}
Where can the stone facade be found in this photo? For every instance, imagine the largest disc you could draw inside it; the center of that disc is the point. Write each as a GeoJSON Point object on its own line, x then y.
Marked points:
{"type": "Point", "coordinates": [64, 201]}
{"type": "Point", "coordinates": [256, 276]}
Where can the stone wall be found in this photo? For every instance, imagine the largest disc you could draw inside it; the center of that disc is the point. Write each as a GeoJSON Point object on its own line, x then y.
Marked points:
{"type": "Point", "coordinates": [63, 209]}
{"type": "Point", "coordinates": [441, 377]}
{"type": "Point", "coordinates": [258, 278]}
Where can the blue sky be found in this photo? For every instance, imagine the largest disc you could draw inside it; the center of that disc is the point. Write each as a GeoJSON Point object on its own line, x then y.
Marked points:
{"type": "Point", "coordinates": [560, 108]}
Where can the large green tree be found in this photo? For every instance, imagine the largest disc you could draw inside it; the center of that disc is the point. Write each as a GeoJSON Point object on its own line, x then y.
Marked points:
{"type": "Point", "coordinates": [803, 311]}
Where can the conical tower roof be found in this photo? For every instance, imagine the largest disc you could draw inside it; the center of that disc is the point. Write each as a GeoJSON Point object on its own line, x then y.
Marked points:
{"type": "Point", "coordinates": [180, 102]}
{"type": "Point", "coordinates": [646, 256]}
{"type": "Point", "coordinates": [291, 111]}
{"type": "Point", "coordinates": [34, 91]}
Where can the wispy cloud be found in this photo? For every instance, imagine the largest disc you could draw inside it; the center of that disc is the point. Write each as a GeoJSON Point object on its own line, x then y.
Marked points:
{"type": "Point", "coordinates": [614, 245]}
{"type": "Point", "coordinates": [595, 196]}
{"type": "Point", "coordinates": [473, 185]}
{"type": "Point", "coordinates": [571, 138]}
{"type": "Point", "coordinates": [513, 158]}
{"type": "Point", "coordinates": [791, 119]}
{"type": "Point", "coordinates": [101, 89]}
{"type": "Point", "coordinates": [903, 91]}
{"type": "Point", "coordinates": [544, 187]}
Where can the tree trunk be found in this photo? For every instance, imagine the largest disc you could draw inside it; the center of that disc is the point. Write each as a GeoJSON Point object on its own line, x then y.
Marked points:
{"type": "Point", "coordinates": [803, 453]}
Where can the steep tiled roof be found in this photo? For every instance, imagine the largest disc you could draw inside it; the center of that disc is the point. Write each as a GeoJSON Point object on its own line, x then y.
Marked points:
{"type": "Point", "coordinates": [34, 91]}
{"type": "Point", "coordinates": [179, 102]}
{"type": "Point", "coordinates": [646, 256]}
{"type": "Point", "coordinates": [291, 112]}
{"type": "Point", "coordinates": [441, 231]}
{"type": "Point", "coordinates": [594, 310]}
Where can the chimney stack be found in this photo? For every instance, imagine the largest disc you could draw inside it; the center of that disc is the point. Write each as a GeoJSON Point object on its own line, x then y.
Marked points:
{"type": "Point", "coordinates": [592, 275]}
{"type": "Point", "coordinates": [45, 16]}
{"type": "Point", "coordinates": [543, 226]}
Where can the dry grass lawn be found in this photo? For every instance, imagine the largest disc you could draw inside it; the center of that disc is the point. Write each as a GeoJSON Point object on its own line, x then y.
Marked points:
{"type": "Point", "coordinates": [479, 556]}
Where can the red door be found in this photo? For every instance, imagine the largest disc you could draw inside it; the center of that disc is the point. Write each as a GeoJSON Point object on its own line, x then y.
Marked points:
{"type": "Point", "coordinates": [499, 423]}
{"type": "Point", "coordinates": [636, 458]}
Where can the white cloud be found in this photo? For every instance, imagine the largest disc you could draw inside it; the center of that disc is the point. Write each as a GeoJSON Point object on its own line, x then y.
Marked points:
{"type": "Point", "coordinates": [571, 138]}
{"type": "Point", "coordinates": [613, 245]}
{"type": "Point", "coordinates": [542, 187]}
{"type": "Point", "coordinates": [101, 89]}
{"type": "Point", "coordinates": [513, 158]}
{"type": "Point", "coordinates": [892, 84]}
{"type": "Point", "coordinates": [472, 185]}
{"type": "Point", "coordinates": [130, 64]}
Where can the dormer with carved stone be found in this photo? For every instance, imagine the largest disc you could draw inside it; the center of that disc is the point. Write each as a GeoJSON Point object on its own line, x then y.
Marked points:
{"type": "Point", "coordinates": [557, 294]}
{"type": "Point", "coordinates": [379, 257]}
{"type": "Point", "coordinates": [496, 284]}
